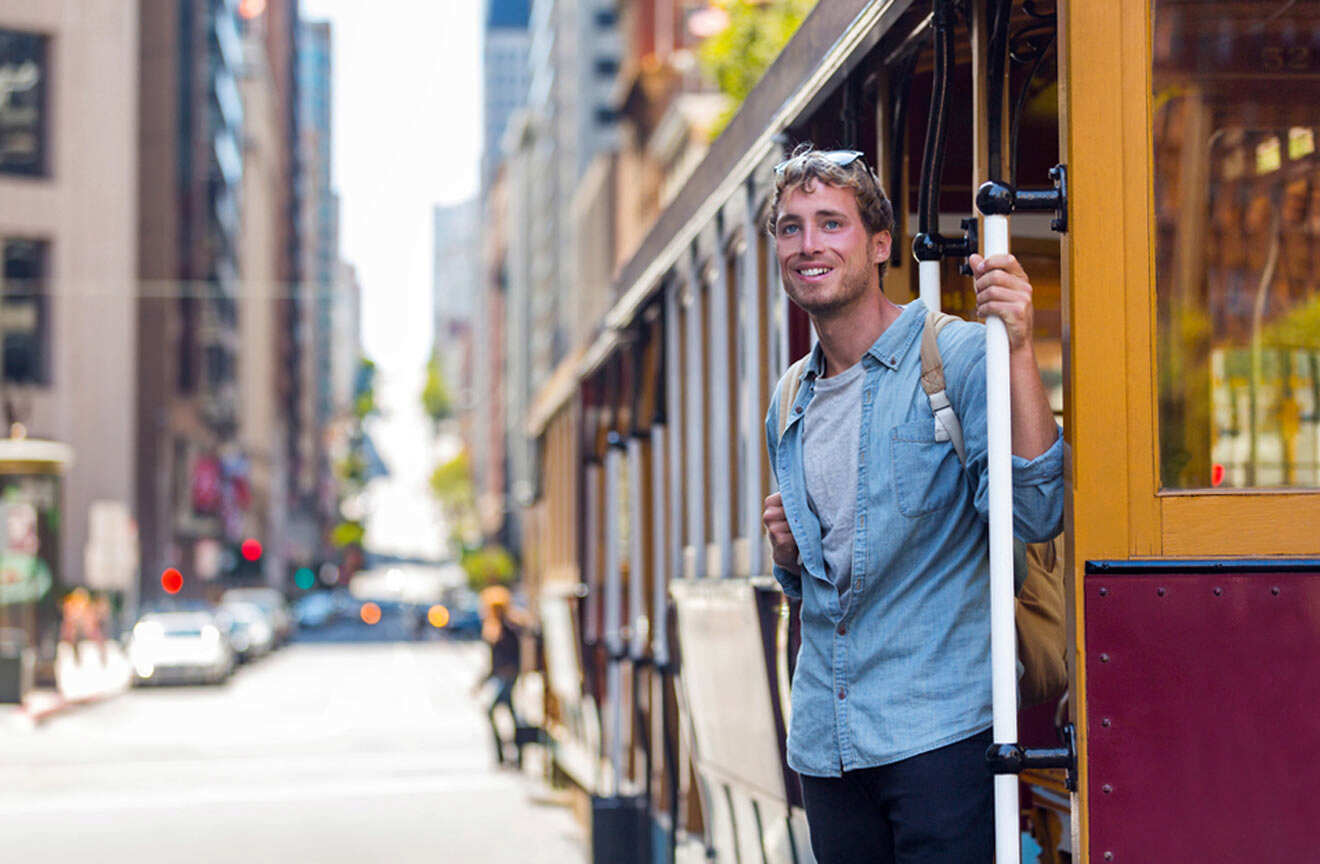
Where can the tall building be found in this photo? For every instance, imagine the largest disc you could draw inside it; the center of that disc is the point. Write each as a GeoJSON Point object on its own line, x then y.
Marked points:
{"type": "Point", "coordinates": [346, 336]}
{"type": "Point", "coordinates": [297, 538]}
{"type": "Point", "coordinates": [569, 119]}
{"type": "Point", "coordinates": [319, 217]}
{"type": "Point", "coordinates": [262, 426]}
{"type": "Point", "coordinates": [68, 253]}
{"type": "Point", "coordinates": [191, 471]}
{"type": "Point", "coordinates": [505, 75]}
{"type": "Point", "coordinates": [456, 281]}
{"type": "Point", "coordinates": [456, 256]}
{"type": "Point", "coordinates": [575, 55]}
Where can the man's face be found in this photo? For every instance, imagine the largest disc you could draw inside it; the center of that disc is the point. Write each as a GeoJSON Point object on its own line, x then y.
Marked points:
{"type": "Point", "coordinates": [826, 260]}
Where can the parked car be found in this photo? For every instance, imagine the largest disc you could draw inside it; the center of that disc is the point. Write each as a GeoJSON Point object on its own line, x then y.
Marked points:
{"type": "Point", "coordinates": [249, 629]}
{"type": "Point", "coordinates": [271, 602]}
{"type": "Point", "coordinates": [180, 647]}
{"type": "Point", "coordinates": [316, 609]}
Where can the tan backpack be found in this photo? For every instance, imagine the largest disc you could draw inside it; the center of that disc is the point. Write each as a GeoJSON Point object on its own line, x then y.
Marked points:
{"type": "Point", "coordinates": [1040, 610]}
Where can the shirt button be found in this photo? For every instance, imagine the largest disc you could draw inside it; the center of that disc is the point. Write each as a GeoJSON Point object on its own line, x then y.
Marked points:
{"type": "Point", "coordinates": [797, 410]}
{"type": "Point", "coordinates": [843, 629]}
{"type": "Point", "coordinates": [841, 694]}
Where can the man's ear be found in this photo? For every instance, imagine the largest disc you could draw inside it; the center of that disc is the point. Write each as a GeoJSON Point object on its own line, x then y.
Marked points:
{"type": "Point", "coordinates": [880, 247]}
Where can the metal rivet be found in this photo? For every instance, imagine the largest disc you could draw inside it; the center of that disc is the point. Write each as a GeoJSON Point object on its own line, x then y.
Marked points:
{"type": "Point", "coordinates": [1109, 856]}
{"type": "Point", "coordinates": [1104, 658]}
{"type": "Point", "coordinates": [1106, 788]}
{"type": "Point", "coordinates": [1275, 590]}
{"type": "Point", "coordinates": [1161, 591]}
{"type": "Point", "coordinates": [1219, 592]}
{"type": "Point", "coordinates": [1104, 721]}
{"type": "Point", "coordinates": [1104, 592]}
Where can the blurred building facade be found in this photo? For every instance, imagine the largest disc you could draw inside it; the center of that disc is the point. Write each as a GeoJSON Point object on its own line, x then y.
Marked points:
{"type": "Point", "coordinates": [192, 474]}
{"type": "Point", "coordinates": [262, 426]}
{"type": "Point", "coordinates": [346, 337]}
{"type": "Point", "coordinates": [68, 242]}
{"type": "Point", "coordinates": [152, 233]}
{"type": "Point", "coordinates": [616, 117]}
{"type": "Point", "coordinates": [506, 41]}
{"type": "Point", "coordinates": [569, 118]}
{"type": "Point", "coordinates": [319, 216]}
{"type": "Point", "coordinates": [455, 275]}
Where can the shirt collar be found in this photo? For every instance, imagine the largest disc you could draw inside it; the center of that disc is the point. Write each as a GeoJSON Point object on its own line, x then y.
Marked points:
{"type": "Point", "coordinates": [892, 345]}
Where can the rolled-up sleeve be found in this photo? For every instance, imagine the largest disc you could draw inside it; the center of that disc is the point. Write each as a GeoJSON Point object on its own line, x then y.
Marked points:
{"type": "Point", "coordinates": [1038, 482]}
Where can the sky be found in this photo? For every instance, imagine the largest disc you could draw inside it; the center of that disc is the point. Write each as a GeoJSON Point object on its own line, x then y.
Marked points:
{"type": "Point", "coordinates": [407, 132]}
{"type": "Point", "coordinates": [407, 136]}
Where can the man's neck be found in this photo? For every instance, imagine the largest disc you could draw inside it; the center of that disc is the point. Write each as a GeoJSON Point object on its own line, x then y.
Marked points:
{"type": "Point", "coordinates": [846, 335]}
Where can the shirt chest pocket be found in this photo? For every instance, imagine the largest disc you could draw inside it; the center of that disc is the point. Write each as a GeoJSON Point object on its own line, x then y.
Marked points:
{"type": "Point", "coordinates": [925, 472]}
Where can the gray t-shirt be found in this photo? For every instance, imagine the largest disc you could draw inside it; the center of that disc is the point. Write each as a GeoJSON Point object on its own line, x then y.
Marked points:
{"type": "Point", "coordinates": [831, 427]}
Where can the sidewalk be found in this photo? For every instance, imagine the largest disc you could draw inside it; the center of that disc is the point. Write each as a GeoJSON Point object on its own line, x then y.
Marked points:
{"type": "Point", "coordinates": [87, 674]}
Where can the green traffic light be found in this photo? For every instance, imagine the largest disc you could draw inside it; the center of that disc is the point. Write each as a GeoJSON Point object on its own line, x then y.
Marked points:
{"type": "Point", "coordinates": [304, 578]}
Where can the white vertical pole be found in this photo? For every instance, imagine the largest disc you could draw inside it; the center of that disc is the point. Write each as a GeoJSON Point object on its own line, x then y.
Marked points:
{"type": "Point", "coordinates": [659, 542]}
{"type": "Point", "coordinates": [696, 437]}
{"type": "Point", "coordinates": [717, 372]}
{"type": "Point", "coordinates": [636, 566]}
{"type": "Point", "coordinates": [673, 436]}
{"type": "Point", "coordinates": [591, 570]}
{"type": "Point", "coordinates": [751, 389]}
{"type": "Point", "coordinates": [613, 596]}
{"type": "Point", "coordinates": [1003, 634]}
{"type": "Point", "coordinates": [928, 282]}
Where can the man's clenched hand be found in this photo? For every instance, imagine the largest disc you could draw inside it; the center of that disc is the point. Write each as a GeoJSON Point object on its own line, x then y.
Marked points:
{"type": "Point", "coordinates": [781, 538]}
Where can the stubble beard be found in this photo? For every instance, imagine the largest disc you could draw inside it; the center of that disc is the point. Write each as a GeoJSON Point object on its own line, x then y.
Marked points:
{"type": "Point", "coordinates": [852, 287]}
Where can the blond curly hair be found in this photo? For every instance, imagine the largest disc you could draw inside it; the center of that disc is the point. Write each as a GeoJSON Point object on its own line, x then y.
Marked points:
{"type": "Point", "coordinates": [808, 166]}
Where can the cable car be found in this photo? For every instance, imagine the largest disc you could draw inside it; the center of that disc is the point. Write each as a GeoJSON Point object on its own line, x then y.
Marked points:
{"type": "Point", "coordinates": [1164, 186]}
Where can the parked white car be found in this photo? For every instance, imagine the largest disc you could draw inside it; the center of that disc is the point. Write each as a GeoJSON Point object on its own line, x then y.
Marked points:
{"type": "Point", "coordinates": [249, 629]}
{"type": "Point", "coordinates": [180, 647]}
{"type": "Point", "coordinates": [272, 603]}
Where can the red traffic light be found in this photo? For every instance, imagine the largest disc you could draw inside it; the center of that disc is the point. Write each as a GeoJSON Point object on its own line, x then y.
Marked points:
{"type": "Point", "coordinates": [172, 581]}
{"type": "Point", "coordinates": [251, 549]}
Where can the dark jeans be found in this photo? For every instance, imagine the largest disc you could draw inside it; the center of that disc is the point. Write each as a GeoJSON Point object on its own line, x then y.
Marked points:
{"type": "Point", "coordinates": [503, 696]}
{"type": "Point", "coordinates": [934, 808]}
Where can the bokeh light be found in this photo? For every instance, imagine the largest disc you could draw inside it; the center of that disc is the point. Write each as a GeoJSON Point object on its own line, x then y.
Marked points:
{"type": "Point", "coordinates": [438, 616]}
{"type": "Point", "coordinates": [172, 581]}
{"type": "Point", "coordinates": [371, 613]}
{"type": "Point", "coordinates": [251, 549]}
{"type": "Point", "coordinates": [304, 578]}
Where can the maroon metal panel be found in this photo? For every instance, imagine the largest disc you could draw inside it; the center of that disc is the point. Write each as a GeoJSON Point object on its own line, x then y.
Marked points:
{"type": "Point", "coordinates": [1203, 715]}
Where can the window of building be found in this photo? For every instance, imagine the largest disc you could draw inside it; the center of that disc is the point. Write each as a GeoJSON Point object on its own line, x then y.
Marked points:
{"type": "Point", "coordinates": [1236, 114]}
{"type": "Point", "coordinates": [23, 315]}
{"type": "Point", "coordinates": [23, 71]}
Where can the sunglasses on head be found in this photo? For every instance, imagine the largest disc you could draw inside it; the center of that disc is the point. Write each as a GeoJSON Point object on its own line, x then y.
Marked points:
{"type": "Point", "coordinates": [842, 158]}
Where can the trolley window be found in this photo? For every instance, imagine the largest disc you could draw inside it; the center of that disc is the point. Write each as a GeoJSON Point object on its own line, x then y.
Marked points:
{"type": "Point", "coordinates": [1236, 114]}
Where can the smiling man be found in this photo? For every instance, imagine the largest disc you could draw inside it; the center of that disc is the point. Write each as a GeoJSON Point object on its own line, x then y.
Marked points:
{"type": "Point", "coordinates": [880, 529]}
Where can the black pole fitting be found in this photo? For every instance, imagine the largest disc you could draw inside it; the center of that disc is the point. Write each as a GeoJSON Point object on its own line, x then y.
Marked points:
{"type": "Point", "coordinates": [933, 246]}
{"type": "Point", "coordinates": [1014, 758]}
{"type": "Point", "coordinates": [927, 247]}
{"type": "Point", "coordinates": [614, 439]}
{"type": "Point", "coordinates": [996, 198]}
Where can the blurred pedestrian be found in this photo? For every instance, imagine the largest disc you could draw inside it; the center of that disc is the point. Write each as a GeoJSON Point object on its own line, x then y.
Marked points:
{"type": "Point", "coordinates": [501, 628]}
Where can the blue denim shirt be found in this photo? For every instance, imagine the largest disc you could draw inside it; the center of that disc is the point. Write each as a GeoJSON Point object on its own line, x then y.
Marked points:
{"type": "Point", "coordinates": [905, 668]}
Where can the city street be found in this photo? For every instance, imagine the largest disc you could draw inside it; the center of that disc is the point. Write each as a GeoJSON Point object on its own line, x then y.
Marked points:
{"type": "Point", "coordinates": [318, 753]}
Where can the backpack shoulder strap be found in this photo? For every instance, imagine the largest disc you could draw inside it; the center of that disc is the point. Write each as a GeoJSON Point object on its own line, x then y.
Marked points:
{"type": "Point", "coordinates": [788, 388]}
{"type": "Point", "coordinates": [947, 425]}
